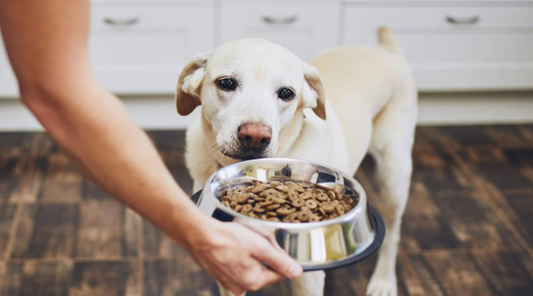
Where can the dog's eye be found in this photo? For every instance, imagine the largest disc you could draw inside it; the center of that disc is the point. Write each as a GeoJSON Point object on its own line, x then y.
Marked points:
{"type": "Point", "coordinates": [286, 94]}
{"type": "Point", "coordinates": [227, 84]}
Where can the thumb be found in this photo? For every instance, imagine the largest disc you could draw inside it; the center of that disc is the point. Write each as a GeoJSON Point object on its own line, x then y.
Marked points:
{"type": "Point", "coordinates": [277, 259]}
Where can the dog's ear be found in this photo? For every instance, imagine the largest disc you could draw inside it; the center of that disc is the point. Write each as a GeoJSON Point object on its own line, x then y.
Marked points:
{"type": "Point", "coordinates": [314, 95]}
{"type": "Point", "coordinates": [189, 88]}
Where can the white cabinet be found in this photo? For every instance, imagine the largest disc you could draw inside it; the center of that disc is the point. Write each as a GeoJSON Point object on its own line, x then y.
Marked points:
{"type": "Point", "coordinates": [141, 48]}
{"type": "Point", "coordinates": [304, 27]}
{"type": "Point", "coordinates": [471, 47]}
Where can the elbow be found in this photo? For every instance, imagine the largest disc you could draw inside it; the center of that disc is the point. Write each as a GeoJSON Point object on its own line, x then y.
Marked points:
{"type": "Point", "coordinates": [37, 99]}
{"type": "Point", "coordinates": [45, 97]}
{"type": "Point", "coordinates": [48, 105]}
{"type": "Point", "coordinates": [30, 93]}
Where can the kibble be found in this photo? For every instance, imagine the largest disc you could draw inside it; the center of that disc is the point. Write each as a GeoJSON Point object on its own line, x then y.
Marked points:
{"type": "Point", "coordinates": [298, 203]}
{"type": "Point", "coordinates": [286, 201]}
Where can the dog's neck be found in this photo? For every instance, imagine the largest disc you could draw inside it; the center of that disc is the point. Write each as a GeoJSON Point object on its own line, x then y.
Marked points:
{"type": "Point", "coordinates": [287, 137]}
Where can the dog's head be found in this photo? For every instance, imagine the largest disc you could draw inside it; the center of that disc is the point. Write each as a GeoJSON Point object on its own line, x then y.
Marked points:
{"type": "Point", "coordinates": [249, 89]}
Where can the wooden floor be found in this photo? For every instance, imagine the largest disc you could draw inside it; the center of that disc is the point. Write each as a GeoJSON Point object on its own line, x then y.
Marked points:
{"type": "Point", "coordinates": [468, 227]}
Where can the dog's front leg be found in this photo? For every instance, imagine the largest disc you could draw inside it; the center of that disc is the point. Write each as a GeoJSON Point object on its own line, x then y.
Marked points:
{"type": "Point", "coordinates": [309, 284]}
{"type": "Point", "coordinates": [394, 167]}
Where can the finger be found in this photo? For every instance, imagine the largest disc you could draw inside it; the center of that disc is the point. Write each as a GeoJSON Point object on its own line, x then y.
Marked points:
{"type": "Point", "coordinates": [272, 240]}
{"type": "Point", "coordinates": [277, 259]}
{"type": "Point", "coordinates": [234, 288]}
{"type": "Point", "coordinates": [268, 235]}
{"type": "Point", "coordinates": [256, 280]}
{"type": "Point", "coordinates": [269, 277]}
{"type": "Point", "coordinates": [226, 281]}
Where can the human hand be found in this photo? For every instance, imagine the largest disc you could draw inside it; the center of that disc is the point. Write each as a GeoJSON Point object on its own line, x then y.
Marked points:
{"type": "Point", "coordinates": [234, 255]}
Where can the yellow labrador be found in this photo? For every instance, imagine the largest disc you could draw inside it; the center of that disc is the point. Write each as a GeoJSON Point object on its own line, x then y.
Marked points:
{"type": "Point", "coordinates": [260, 100]}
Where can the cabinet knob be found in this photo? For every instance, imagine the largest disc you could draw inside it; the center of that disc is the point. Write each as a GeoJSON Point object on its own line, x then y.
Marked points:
{"type": "Point", "coordinates": [462, 20]}
{"type": "Point", "coordinates": [280, 21]}
{"type": "Point", "coordinates": [121, 22]}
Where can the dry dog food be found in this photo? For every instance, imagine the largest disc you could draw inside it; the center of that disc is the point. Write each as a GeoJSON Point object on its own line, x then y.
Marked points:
{"type": "Point", "coordinates": [286, 201]}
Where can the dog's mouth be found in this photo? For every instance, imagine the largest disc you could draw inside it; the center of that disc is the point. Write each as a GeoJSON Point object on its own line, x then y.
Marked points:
{"type": "Point", "coordinates": [247, 154]}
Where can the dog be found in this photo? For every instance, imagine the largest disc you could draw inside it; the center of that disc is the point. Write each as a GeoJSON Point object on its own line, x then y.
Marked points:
{"type": "Point", "coordinates": [260, 100]}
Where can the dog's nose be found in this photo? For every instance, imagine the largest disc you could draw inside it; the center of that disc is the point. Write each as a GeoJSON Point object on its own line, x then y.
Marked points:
{"type": "Point", "coordinates": [254, 135]}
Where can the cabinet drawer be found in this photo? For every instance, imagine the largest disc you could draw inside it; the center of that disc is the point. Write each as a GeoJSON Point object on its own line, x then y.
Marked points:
{"type": "Point", "coordinates": [464, 48]}
{"type": "Point", "coordinates": [303, 29]}
{"type": "Point", "coordinates": [117, 18]}
{"type": "Point", "coordinates": [450, 19]}
{"type": "Point", "coordinates": [142, 48]}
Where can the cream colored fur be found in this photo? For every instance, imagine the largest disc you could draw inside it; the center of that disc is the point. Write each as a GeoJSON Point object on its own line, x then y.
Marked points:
{"type": "Point", "coordinates": [368, 104]}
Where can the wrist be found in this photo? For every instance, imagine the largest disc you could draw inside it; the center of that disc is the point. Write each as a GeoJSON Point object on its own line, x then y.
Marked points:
{"type": "Point", "coordinates": [193, 228]}
{"type": "Point", "coordinates": [202, 233]}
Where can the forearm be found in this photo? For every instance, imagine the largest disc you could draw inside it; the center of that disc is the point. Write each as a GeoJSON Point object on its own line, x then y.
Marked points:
{"type": "Point", "coordinates": [46, 44]}
{"type": "Point", "coordinates": [94, 129]}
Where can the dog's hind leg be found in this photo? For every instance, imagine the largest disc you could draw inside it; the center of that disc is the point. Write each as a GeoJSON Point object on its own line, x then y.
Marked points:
{"type": "Point", "coordinates": [309, 284]}
{"type": "Point", "coordinates": [391, 147]}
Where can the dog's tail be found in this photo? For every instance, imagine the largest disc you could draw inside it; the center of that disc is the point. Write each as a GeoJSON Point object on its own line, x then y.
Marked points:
{"type": "Point", "coordinates": [387, 40]}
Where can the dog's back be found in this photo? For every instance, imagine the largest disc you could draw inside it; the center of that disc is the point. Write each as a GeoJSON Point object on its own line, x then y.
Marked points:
{"type": "Point", "coordinates": [361, 81]}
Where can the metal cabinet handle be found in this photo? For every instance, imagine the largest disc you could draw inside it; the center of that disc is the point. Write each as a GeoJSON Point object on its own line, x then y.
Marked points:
{"type": "Point", "coordinates": [280, 21]}
{"type": "Point", "coordinates": [462, 20]}
{"type": "Point", "coordinates": [121, 22]}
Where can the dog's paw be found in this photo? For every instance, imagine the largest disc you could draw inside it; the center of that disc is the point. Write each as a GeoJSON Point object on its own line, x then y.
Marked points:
{"type": "Point", "coordinates": [382, 287]}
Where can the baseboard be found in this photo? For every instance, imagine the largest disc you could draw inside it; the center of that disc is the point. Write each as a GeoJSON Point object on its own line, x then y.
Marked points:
{"type": "Point", "coordinates": [475, 108]}
{"type": "Point", "coordinates": [158, 112]}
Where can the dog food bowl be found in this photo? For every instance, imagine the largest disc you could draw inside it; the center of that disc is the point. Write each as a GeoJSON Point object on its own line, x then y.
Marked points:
{"type": "Point", "coordinates": [318, 245]}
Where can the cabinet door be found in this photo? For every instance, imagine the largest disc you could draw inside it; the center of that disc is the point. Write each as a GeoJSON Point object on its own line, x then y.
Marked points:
{"type": "Point", "coordinates": [304, 27]}
{"type": "Point", "coordinates": [141, 48]}
{"type": "Point", "coordinates": [455, 48]}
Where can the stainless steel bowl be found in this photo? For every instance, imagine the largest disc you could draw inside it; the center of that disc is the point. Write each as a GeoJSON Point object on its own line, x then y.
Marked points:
{"type": "Point", "coordinates": [317, 245]}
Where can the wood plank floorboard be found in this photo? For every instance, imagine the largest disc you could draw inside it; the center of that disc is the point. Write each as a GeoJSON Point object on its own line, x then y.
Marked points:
{"type": "Point", "coordinates": [467, 229]}
{"type": "Point", "coordinates": [46, 231]}
{"type": "Point", "coordinates": [455, 221]}
{"type": "Point", "coordinates": [7, 217]}
{"type": "Point", "coordinates": [37, 278]}
{"type": "Point", "coordinates": [105, 278]}
{"type": "Point", "coordinates": [12, 169]}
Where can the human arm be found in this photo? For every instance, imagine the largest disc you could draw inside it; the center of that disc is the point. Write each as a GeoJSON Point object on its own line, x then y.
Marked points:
{"type": "Point", "coordinates": [46, 43]}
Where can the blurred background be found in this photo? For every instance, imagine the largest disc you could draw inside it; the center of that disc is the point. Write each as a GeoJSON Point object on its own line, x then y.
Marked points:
{"type": "Point", "coordinates": [473, 60]}
{"type": "Point", "coordinates": [467, 228]}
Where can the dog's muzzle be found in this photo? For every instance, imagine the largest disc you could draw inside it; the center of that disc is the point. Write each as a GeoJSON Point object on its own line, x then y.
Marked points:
{"type": "Point", "coordinates": [254, 139]}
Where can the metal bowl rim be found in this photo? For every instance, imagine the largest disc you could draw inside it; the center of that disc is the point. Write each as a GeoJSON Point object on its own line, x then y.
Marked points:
{"type": "Point", "coordinates": [360, 207]}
